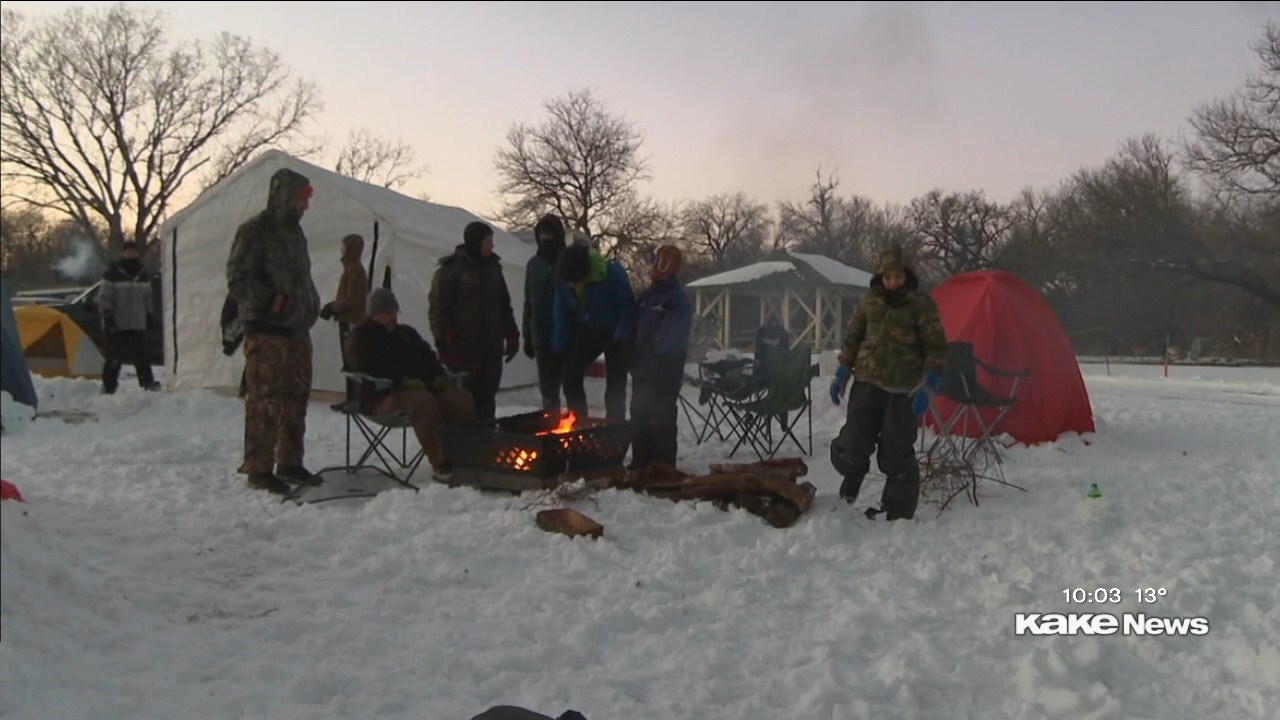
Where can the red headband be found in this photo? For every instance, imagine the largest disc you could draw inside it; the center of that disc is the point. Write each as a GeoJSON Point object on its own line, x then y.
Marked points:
{"type": "Point", "coordinates": [305, 192]}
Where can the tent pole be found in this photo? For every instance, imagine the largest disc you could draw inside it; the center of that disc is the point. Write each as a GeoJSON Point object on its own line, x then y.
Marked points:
{"type": "Point", "coordinates": [173, 282]}
{"type": "Point", "coordinates": [373, 254]}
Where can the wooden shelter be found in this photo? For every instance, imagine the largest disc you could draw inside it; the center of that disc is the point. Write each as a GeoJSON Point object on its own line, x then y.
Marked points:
{"type": "Point", "coordinates": [812, 296]}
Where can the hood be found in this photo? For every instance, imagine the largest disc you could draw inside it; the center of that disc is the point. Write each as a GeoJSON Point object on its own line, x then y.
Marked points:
{"type": "Point", "coordinates": [285, 186]}
{"type": "Point", "coordinates": [352, 246]}
{"type": "Point", "coordinates": [549, 250]}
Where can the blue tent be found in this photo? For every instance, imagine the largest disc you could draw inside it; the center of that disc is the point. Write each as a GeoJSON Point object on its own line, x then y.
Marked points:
{"type": "Point", "coordinates": [15, 378]}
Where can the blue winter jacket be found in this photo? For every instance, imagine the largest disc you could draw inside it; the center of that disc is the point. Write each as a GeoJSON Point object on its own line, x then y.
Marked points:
{"type": "Point", "coordinates": [605, 306]}
{"type": "Point", "coordinates": [662, 322]}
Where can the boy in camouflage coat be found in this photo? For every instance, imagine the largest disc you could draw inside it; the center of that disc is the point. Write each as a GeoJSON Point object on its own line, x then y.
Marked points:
{"type": "Point", "coordinates": [269, 276]}
{"type": "Point", "coordinates": [894, 343]}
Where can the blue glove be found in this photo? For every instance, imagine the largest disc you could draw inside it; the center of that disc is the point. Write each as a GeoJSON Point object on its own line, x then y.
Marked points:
{"type": "Point", "coordinates": [933, 380]}
{"type": "Point", "coordinates": [920, 400]}
{"type": "Point", "coordinates": [838, 385]}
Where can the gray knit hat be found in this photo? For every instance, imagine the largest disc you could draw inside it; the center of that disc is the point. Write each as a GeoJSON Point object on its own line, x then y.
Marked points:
{"type": "Point", "coordinates": [381, 300]}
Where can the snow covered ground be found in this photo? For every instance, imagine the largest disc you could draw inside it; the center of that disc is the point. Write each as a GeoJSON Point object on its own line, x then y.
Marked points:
{"type": "Point", "coordinates": [144, 580]}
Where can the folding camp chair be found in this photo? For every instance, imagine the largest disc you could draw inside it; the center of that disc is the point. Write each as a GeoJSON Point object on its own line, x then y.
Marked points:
{"type": "Point", "coordinates": [786, 391]}
{"type": "Point", "coordinates": [375, 429]}
{"type": "Point", "coordinates": [718, 383]}
{"type": "Point", "coordinates": [965, 441]}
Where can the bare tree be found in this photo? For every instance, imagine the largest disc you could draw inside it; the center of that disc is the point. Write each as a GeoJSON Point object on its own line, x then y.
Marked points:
{"type": "Point", "coordinates": [849, 230]}
{"type": "Point", "coordinates": [959, 232]}
{"type": "Point", "coordinates": [1034, 250]}
{"type": "Point", "coordinates": [1135, 214]}
{"type": "Point", "coordinates": [637, 229]}
{"type": "Point", "coordinates": [1238, 140]}
{"type": "Point", "coordinates": [373, 159]}
{"type": "Point", "coordinates": [582, 163]}
{"type": "Point", "coordinates": [727, 229]}
{"type": "Point", "coordinates": [101, 119]}
{"type": "Point", "coordinates": [819, 224]}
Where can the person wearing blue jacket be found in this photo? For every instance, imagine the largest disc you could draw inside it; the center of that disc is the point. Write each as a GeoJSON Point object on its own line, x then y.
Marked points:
{"type": "Point", "coordinates": [660, 340]}
{"type": "Point", "coordinates": [593, 308]}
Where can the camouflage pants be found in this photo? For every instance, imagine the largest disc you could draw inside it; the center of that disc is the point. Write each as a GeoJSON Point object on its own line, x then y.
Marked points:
{"type": "Point", "coordinates": [277, 374]}
{"type": "Point", "coordinates": [426, 410]}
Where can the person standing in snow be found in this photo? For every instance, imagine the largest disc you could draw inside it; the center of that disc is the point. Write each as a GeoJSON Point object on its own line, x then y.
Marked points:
{"type": "Point", "coordinates": [894, 344]}
{"type": "Point", "coordinates": [592, 313]}
{"type": "Point", "coordinates": [269, 276]}
{"type": "Point", "coordinates": [124, 304]}
{"type": "Point", "coordinates": [348, 307]}
{"type": "Point", "coordinates": [539, 303]}
{"type": "Point", "coordinates": [471, 316]}
{"type": "Point", "coordinates": [660, 342]}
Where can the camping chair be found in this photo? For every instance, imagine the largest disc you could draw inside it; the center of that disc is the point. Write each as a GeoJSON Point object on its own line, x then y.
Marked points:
{"type": "Point", "coordinates": [786, 391]}
{"type": "Point", "coordinates": [718, 383]}
{"type": "Point", "coordinates": [965, 441]}
{"type": "Point", "coordinates": [377, 430]}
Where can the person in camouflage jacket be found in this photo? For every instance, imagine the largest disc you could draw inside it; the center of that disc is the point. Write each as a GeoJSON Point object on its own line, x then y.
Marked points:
{"type": "Point", "coordinates": [269, 277]}
{"type": "Point", "coordinates": [894, 344]}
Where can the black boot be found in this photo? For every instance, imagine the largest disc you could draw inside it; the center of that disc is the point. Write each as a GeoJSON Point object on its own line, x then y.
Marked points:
{"type": "Point", "coordinates": [297, 475]}
{"type": "Point", "coordinates": [268, 482]}
{"type": "Point", "coordinates": [849, 489]}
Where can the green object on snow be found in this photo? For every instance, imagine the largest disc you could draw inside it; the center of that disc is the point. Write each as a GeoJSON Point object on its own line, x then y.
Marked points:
{"type": "Point", "coordinates": [1094, 492]}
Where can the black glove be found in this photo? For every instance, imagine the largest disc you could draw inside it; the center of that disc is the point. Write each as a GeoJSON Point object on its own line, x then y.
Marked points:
{"type": "Point", "coordinates": [513, 345]}
{"type": "Point", "coordinates": [528, 348]}
{"type": "Point", "coordinates": [326, 312]}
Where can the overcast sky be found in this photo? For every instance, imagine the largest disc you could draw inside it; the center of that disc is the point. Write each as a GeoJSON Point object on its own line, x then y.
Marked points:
{"type": "Point", "coordinates": [897, 99]}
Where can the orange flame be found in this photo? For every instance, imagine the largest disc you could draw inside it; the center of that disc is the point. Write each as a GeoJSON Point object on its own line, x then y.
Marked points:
{"type": "Point", "coordinates": [567, 421]}
{"type": "Point", "coordinates": [518, 459]}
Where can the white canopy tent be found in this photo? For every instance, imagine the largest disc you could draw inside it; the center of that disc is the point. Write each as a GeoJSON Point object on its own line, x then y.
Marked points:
{"type": "Point", "coordinates": [405, 237]}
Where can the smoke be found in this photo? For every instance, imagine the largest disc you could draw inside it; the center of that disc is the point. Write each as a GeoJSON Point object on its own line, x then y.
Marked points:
{"type": "Point", "coordinates": [1259, 11]}
{"type": "Point", "coordinates": [875, 74]}
{"type": "Point", "coordinates": [84, 263]}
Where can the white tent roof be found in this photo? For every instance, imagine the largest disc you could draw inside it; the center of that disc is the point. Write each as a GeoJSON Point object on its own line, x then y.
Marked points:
{"type": "Point", "coordinates": [832, 271]}
{"type": "Point", "coordinates": [836, 272]}
{"type": "Point", "coordinates": [411, 237]}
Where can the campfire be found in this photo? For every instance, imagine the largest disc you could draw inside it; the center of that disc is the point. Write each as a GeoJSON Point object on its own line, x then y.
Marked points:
{"type": "Point", "coordinates": [532, 450]}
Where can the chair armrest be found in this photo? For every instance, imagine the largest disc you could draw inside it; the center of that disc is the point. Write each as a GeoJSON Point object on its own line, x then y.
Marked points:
{"type": "Point", "coordinates": [459, 379]}
{"type": "Point", "coordinates": [1000, 373]}
{"type": "Point", "coordinates": [376, 383]}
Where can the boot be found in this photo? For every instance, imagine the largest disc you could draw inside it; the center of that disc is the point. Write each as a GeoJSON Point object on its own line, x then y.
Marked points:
{"type": "Point", "coordinates": [268, 482]}
{"type": "Point", "coordinates": [297, 475]}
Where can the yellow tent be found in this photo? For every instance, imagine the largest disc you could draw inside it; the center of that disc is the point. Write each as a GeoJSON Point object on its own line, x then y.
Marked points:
{"type": "Point", "coordinates": [55, 345]}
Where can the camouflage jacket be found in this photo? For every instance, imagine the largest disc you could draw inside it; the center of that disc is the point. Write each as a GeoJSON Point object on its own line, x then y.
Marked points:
{"type": "Point", "coordinates": [269, 257]}
{"type": "Point", "coordinates": [892, 344]}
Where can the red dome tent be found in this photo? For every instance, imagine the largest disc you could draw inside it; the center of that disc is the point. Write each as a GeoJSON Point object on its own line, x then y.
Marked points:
{"type": "Point", "coordinates": [1012, 328]}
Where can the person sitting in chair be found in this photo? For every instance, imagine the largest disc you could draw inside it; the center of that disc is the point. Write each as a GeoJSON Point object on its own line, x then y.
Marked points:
{"type": "Point", "coordinates": [420, 387]}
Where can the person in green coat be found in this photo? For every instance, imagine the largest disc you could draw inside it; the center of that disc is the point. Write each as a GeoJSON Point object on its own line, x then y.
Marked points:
{"type": "Point", "coordinates": [894, 344]}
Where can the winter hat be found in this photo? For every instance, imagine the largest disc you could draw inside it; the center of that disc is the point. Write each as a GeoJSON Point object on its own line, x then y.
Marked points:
{"type": "Point", "coordinates": [549, 225]}
{"type": "Point", "coordinates": [354, 240]}
{"type": "Point", "coordinates": [666, 263]}
{"type": "Point", "coordinates": [891, 259]}
{"type": "Point", "coordinates": [575, 263]}
{"type": "Point", "coordinates": [382, 300]}
{"type": "Point", "coordinates": [474, 234]}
